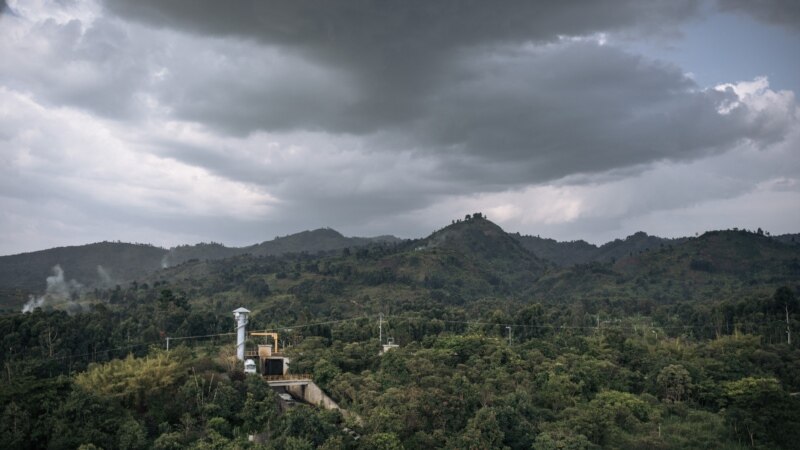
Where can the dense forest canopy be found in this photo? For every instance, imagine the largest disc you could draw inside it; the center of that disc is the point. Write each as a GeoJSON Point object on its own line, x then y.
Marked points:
{"type": "Point", "coordinates": [685, 344]}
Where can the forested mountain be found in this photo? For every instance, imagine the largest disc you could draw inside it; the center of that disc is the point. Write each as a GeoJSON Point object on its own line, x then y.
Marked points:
{"type": "Point", "coordinates": [716, 266]}
{"type": "Point", "coordinates": [106, 264]}
{"type": "Point", "coordinates": [683, 344]}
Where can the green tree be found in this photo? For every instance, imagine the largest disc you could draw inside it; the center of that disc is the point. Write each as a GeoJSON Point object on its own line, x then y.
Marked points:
{"type": "Point", "coordinates": [86, 418]}
{"type": "Point", "coordinates": [759, 409]}
{"type": "Point", "coordinates": [674, 382]}
{"type": "Point", "coordinates": [134, 381]}
{"type": "Point", "coordinates": [381, 441]}
{"type": "Point", "coordinates": [14, 426]}
{"type": "Point", "coordinates": [258, 414]}
{"type": "Point", "coordinates": [325, 371]}
{"type": "Point", "coordinates": [482, 432]}
{"type": "Point", "coordinates": [306, 423]}
{"type": "Point", "coordinates": [784, 301]}
{"type": "Point", "coordinates": [561, 440]}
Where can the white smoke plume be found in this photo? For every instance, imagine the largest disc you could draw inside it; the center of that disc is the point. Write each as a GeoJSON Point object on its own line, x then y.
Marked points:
{"type": "Point", "coordinates": [58, 293]}
{"type": "Point", "coordinates": [105, 277]}
{"type": "Point", "coordinates": [33, 303]}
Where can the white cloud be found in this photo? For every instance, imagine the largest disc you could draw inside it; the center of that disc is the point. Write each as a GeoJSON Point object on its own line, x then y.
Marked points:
{"type": "Point", "coordinates": [749, 186]}
{"type": "Point", "coordinates": [76, 162]}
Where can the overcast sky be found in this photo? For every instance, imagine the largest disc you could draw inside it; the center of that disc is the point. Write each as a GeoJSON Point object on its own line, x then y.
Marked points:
{"type": "Point", "coordinates": [173, 122]}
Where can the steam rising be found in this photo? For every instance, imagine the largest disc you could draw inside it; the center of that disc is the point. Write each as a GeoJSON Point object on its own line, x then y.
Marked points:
{"type": "Point", "coordinates": [58, 293]}
{"type": "Point", "coordinates": [105, 277]}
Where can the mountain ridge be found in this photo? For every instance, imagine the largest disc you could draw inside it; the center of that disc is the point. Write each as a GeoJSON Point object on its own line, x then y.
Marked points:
{"type": "Point", "coordinates": [105, 263]}
{"type": "Point", "coordinates": [483, 248]}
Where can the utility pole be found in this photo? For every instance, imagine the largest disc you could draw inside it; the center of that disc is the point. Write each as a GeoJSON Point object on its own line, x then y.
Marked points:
{"type": "Point", "coordinates": [380, 328]}
{"type": "Point", "coordinates": [509, 334]}
{"type": "Point", "coordinates": [167, 343]}
{"type": "Point", "coordinates": [788, 330]}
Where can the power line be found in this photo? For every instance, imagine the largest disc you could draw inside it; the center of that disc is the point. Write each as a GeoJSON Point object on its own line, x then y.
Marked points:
{"type": "Point", "coordinates": [568, 327]}
{"type": "Point", "coordinates": [97, 352]}
{"type": "Point", "coordinates": [306, 325]}
{"type": "Point", "coordinates": [509, 326]}
{"type": "Point", "coordinates": [198, 336]}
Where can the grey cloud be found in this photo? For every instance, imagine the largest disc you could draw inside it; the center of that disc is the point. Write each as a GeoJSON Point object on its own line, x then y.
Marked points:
{"type": "Point", "coordinates": [98, 68]}
{"type": "Point", "coordinates": [495, 114]}
{"type": "Point", "coordinates": [395, 52]}
{"type": "Point", "coordinates": [785, 13]}
{"type": "Point", "coordinates": [578, 107]}
{"type": "Point", "coordinates": [373, 28]}
{"type": "Point", "coordinates": [515, 116]}
{"type": "Point", "coordinates": [243, 87]}
{"type": "Point", "coordinates": [324, 190]}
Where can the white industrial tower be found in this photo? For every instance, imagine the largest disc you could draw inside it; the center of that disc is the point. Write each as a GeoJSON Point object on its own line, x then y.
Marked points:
{"type": "Point", "coordinates": [240, 315]}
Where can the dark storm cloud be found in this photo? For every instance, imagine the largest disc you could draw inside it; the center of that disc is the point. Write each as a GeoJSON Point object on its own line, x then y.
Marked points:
{"type": "Point", "coordinates": [458, 79]}
{"type": "Point", "coordinates": [779, 12]}
{"type": "Point", "coordinates": [494, 95]}
{"type": "Point", "coordinates": [394, 52]}
{"type": "Point", "coordinates": [244, 87]}
{"type": "Point", "coordinates": [530, 115]}
{"type": "Point", "coordinates": [370, 28]}
{"type": "Point", "coordinates": [581, 107]}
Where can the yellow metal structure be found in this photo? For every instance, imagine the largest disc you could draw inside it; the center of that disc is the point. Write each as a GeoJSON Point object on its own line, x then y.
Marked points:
{"type": "Point", "coordinates": [273, 335]}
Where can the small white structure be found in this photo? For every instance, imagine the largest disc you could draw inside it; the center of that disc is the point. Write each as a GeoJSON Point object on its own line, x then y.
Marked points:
{"type": "Point", "coordinates": [240, 315]}
{"type": "Point", "coordinates": [389, 345]}
{"type": "Point", "coordinates": [249, 366]}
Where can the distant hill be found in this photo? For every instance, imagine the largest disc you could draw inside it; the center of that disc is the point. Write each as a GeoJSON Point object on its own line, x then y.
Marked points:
{"type": "Point", "coordinates": [471, 263]}
{"type": "Point", "coordinates": [717, 265]}
{"type": "Point", "coordinates": [314, 241]}
{"type": "Point", "coordinates": [480, 243]}
{"type": "Point", "coordinates": [470, 260]}
{"type": "Point", "coordinates": [105, 264]}
{"type": "Point", "coordinates": [560, 253]}
{"type": "Point", "coordinates": [480, 238]}
{"type": "Point", "coordinates": [102, 263]}
{"type": "Point", "coordinates": [581, 252]}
